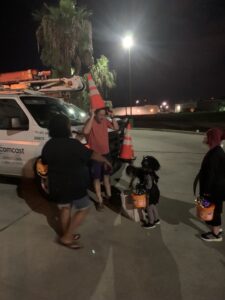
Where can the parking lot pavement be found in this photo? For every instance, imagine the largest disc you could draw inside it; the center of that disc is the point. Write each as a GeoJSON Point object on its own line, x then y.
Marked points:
{"type": "Point", "coordinates": [120, 260]}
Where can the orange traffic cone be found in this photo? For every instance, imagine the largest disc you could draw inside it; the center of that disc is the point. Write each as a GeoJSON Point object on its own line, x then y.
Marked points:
{"type": "Point", "coordinates": [96, 99]}
{"type": "Point", "coordinates": [127, 152]}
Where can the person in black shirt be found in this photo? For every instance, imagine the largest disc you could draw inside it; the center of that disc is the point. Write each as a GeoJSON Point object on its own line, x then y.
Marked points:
{"type": "Point", "coordinates": [212, 181]}
{"type": "Point", "coordinates": [68, 177]}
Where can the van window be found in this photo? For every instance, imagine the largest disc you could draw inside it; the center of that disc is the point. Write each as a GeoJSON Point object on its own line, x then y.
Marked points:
{"type": "Point", "coordinates": [9, 110]}
{"type": "Point", "coordinates": [43, 109]}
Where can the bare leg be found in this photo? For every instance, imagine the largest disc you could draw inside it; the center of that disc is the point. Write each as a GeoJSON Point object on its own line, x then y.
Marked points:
{"type": "Point", "coordinates": [64, 217]}
{"type": "Point", "coordinates": [107, 185]}
{"type": "Point", "coordinates": [97, 186]}
{"type": "Point", "coordinates": [75, 222]}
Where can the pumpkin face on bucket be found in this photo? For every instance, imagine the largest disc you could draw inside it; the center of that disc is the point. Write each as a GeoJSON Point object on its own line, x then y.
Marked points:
{"type": "Point", "coordinates": [140, 201]}
{"type": "Point", "coordinates": [41, 169]}
{"type": "Point", "coordinates": [205, 213]}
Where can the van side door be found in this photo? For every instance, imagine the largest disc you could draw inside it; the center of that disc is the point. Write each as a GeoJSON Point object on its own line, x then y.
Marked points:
{"type": "Point", "coordinates": [14, 137]}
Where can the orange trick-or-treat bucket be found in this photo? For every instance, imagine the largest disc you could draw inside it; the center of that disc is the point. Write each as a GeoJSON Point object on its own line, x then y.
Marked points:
{"type": "Point", "coordinates": [205, 213]}
{"type": "Point", "coordinates": [139, 200]}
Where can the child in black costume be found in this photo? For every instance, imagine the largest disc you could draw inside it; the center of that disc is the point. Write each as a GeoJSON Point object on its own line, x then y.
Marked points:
{"type": "Point", "coordinates": [148, 179]}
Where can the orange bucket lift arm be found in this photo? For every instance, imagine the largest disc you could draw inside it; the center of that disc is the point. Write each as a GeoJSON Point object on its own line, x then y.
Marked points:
{"type": "Point", "coordinates": [38, 81]}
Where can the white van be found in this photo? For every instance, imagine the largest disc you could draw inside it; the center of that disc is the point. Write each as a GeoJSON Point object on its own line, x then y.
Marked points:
{"type": "Point", "coordinates": [23, 129]}
{"type": "Point", "coordinates": [24, 120]}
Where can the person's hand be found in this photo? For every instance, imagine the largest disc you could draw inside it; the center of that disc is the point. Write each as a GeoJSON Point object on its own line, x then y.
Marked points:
{"type": "Point", "coordinates": [107, 164]}
{"type": "Point", "coordinates": [92, 113]}
{"type": "Point", "coordinates": [110, 113]}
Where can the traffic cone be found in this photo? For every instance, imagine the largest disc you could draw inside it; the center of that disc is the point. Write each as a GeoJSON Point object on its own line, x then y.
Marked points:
{"type": "Point", "coordinates": [127, 152]}
{"type": "Point", "coordinates": [96, 99]}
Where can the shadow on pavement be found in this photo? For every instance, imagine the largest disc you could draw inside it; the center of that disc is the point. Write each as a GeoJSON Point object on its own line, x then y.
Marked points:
{"type": "Point", "coordinates": [128, 262]}
{"type": "Point", "coordinates": [28, 191]}
{"type": "Point", "coordinates": [175, 212]}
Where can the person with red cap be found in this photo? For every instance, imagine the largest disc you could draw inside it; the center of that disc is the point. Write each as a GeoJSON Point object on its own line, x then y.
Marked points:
{"type": "Point", "coordinates": [96, 132]}
{"type": "Point", "coordinates": [212, 181]}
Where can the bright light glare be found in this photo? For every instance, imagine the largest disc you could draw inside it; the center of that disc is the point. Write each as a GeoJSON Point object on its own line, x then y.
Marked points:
{"type": "Point", "coordinates": [83, 114]}
{"type": "Point", "coordinates": [167, 107]}
{"type": "Point", "coordinates": [128, 42]}
{"type": "Point", "coordinates": [164, 103]}
{"type": "Point", "coordinates": [71, 111]}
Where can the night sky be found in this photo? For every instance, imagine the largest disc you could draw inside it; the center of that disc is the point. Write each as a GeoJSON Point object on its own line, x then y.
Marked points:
{"type": "Point", "coordinates": [179, 51]}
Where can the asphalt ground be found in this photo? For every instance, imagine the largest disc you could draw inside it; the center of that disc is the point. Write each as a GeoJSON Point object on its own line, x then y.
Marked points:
{"type": "Point", "coordinates": [120, 260]}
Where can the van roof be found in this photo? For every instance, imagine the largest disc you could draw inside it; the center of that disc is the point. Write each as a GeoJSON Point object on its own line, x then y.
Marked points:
{"type": "Point", "coordinates": [3, 96]}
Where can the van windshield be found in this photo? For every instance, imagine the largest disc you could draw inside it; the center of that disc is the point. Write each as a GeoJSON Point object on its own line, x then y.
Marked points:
{"type": "Point", "coordinates": [43, 109]}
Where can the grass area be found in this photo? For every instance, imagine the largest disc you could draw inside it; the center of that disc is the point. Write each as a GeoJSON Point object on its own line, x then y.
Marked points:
{"type": "Point", "coordinates": [181, 121]}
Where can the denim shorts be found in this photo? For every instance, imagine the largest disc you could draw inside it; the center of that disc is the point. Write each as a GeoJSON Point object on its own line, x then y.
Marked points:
{"type": "Point", "coordinates": [79, 204]}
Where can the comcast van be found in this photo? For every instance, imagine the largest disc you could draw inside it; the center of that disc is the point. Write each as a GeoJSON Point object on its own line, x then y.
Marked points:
{"type": "Point", "coordinates": [24, 121]}
{"type": "Point", "coordinates": [23, 129]}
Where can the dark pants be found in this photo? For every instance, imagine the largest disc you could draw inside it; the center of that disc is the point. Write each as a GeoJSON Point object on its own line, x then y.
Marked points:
{"type": "Point", "coordinates": [216, 221]}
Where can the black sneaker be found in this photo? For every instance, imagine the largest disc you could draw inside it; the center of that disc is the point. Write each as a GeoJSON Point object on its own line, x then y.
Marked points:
{"type": "Point", "coordinates": [211, 237]}
{"type": "Point", "coordinates": [157, 222]}
{"type": "Point", "coordinates": [220, 232]}
{"type": "Point", "coordinates": [149, 226]}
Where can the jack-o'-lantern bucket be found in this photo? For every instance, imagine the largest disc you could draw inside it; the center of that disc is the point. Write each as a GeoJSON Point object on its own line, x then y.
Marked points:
{"type": "Point", "coordinates": [41, 169]}
{"type": "Point", "coordinates": [205, 213]}
{"type": "Point", "coordinates": [140, 201]}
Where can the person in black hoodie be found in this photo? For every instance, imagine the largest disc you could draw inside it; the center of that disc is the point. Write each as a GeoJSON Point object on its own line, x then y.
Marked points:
{"type": "Point", "coordinates": [68, 177]}
{"type": "Point", "coordinates": [212, 181]}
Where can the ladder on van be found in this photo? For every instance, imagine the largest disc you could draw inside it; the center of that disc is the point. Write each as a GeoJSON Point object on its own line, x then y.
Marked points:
{"type": "Point", "coordinates": [37, 81]}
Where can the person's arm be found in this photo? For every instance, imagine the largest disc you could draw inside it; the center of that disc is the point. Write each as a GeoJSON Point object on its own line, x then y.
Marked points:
{"type": "Point", "coordinates": [88, 126]}
{"type": "Point", "coordinates": [87, 154]}
{"type": "Point", "coordinates": [114, 123]}
{"type": "Point", "coordinates": [44, 156]}
{"type": "Point", "coordinates": [98, 157]}
{"type": "Point", "coordinates": [148, 182]}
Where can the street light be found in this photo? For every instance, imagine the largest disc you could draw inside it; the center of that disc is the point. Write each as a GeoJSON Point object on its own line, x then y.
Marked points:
{"type": "Point", "coordinates": [128, 43]}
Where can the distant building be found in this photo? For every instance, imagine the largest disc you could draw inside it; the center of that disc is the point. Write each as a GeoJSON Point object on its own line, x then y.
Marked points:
{"type": "Point", "coordinates": [186, 107]}
{"type": "Point", "coordinates": [137, 110]}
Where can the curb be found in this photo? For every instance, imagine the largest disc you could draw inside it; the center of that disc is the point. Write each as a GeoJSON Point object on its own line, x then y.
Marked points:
{"type": "Point", "coordinates": [171, 130]}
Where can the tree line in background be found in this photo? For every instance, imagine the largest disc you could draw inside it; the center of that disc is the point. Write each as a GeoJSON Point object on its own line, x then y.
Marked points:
{"type": "Point", "coordinates": [65, 43]}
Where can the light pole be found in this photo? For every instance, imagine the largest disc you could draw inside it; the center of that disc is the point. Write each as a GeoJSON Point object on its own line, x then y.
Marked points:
{"type": "Point", "coordinates": [128, 43]}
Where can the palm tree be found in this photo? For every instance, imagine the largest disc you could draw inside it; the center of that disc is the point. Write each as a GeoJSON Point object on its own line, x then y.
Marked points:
{"type": "Point", "coordinates": [103, 77]}
{"type": "Point", "coordinates": [64, 37]}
